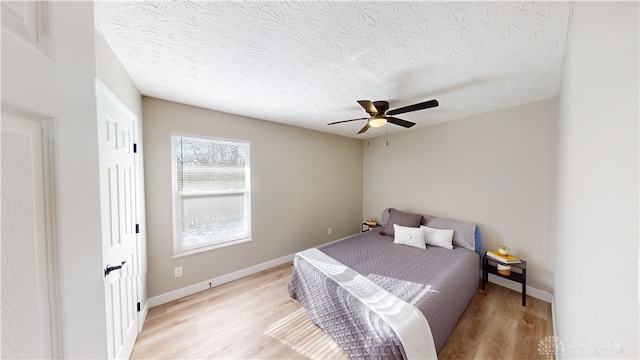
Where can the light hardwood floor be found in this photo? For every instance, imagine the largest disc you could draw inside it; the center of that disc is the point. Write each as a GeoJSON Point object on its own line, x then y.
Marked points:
{"type": "Point", "coordinates": [254, 318]}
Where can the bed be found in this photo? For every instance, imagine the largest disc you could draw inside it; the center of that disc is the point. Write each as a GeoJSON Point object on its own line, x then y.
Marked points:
{"type": "Point", "coordinates": [437, 281]}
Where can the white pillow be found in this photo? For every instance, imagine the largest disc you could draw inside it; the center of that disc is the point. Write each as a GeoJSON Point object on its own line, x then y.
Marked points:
{"type": "Point", "coordinates": [411, 236]}
{"type": "Point", "coordinates": [438, 237]}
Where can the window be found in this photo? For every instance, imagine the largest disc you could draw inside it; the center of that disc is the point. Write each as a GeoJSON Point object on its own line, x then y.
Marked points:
{"type": "Point", "coordinates": [211, 193]}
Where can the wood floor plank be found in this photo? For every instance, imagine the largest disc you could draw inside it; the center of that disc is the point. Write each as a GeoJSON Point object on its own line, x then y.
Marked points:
{"type": "Point", "coordinates": [255, 318]}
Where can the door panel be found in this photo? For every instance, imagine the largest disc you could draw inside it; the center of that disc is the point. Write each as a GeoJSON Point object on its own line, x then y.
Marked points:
{"type": "Point", "coordinates": [26, 315]}
{"type": "Point", "coordinates": [26, 19]}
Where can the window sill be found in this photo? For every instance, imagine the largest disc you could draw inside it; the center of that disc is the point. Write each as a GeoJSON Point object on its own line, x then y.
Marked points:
{"type": "Point", "coordinates": [210, 247]}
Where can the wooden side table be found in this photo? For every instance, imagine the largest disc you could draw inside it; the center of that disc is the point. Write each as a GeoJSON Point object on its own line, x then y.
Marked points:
{"type": "Point", "coordinates": [489, 266]}
{"type": "Point", "coordinates": [367, 227]}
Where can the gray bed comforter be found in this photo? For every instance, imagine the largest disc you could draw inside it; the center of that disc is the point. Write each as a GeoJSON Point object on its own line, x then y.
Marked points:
{"type": "Point", "coordinates": [439, 282]}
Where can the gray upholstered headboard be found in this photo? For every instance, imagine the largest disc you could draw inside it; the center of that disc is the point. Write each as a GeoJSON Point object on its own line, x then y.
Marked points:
{"type": "Point", "coordinates": [465, 234]}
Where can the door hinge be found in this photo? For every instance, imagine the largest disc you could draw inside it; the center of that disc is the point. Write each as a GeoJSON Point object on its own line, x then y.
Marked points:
{"type": "Point", "coordinates": [138, 306]}
{"type": "Point", "coordinates": [135, 148]}
{"type": "Point", "coordinates": [137, 228]}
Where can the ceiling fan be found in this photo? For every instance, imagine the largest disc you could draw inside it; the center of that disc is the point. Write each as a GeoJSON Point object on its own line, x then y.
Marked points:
{"type": "Point", "coordinates": [380, 114]}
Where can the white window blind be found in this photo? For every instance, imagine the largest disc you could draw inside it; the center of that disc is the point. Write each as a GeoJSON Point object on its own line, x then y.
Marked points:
{"type": "Point", "coordinates": [211, 192]}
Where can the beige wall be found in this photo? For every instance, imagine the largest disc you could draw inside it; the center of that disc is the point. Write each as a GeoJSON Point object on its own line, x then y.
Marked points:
{"type": "Point", "coordinates": [495, 169]}
{"type": "Point", "coordinates": [596, 280]}
{"type": "Point", "coordinates": [109, 69]}
{"type": "Point", "coordinates": [303, 182]}
{"type": "Point", "coordinates": [111, 72]}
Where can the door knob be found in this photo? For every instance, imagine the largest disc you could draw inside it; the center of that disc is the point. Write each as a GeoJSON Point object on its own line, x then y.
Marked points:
{"type": "Point", "coordinates": [109, 268]}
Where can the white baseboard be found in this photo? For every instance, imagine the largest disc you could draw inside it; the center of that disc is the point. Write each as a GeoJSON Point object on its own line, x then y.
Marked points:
{"type": "Point", "coordinates": [531, 291]}
{"type": "Point", "coordinates": [207, 284]}
{"type": "Point", "coordinates": [204, 285]}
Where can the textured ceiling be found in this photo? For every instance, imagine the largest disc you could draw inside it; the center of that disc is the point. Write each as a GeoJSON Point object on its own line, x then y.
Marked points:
{"type": "Point", "coordinates": [306, 63]}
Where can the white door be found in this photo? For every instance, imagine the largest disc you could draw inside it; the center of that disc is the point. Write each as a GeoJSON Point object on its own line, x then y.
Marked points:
{"type": "Point", "coordinates": [29, 326]}
{"type": "Point", "coordinates": [116, 126]}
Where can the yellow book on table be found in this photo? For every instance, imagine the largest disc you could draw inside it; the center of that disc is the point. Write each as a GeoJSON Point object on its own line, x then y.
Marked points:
{"type": "Point", "coordinates": [507, 259]}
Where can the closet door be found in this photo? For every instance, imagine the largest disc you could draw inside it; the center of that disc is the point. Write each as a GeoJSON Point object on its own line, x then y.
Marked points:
{"type": "Point", "coordinates": [116, 134]}
{"type": "Point", "coordinates": [29, 307]}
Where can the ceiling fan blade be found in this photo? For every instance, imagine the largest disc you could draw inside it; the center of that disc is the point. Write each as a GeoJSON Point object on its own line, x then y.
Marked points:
{"type": "Point", "coordinates": [414, 107]}
{"type": "Point", "coordinates": [365, 128]}
{"type": "Point", "coordinates": [368, 106]}
{"type": "Point", "coordinates": [343, 121]}
{"type": "Point", "coordinates": [403, 123]}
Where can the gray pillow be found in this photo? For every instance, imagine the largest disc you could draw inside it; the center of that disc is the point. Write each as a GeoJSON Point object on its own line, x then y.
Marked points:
{"type": "Point", "coordinates": [464, 233]}
{"type": "Point", "coordinates": [401, 218]}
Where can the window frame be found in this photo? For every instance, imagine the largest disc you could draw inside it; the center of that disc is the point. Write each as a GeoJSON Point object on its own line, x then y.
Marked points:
{"type": "Point", "coordinates": [180, 250]}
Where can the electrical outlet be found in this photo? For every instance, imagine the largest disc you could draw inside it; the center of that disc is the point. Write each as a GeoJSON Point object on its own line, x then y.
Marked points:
{"type": "Point", "coordinates": [329, 231]}
{"type": "Point", "coordinates": [177, 272]}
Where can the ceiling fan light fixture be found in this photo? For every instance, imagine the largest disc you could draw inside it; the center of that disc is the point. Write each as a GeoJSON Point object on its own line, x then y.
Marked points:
{"type": "Point", "coordinates": [377, 121]}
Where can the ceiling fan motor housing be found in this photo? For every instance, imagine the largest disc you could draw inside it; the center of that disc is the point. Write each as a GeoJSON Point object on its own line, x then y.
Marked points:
{"type": "Point", "coordinates": [382, 106]}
